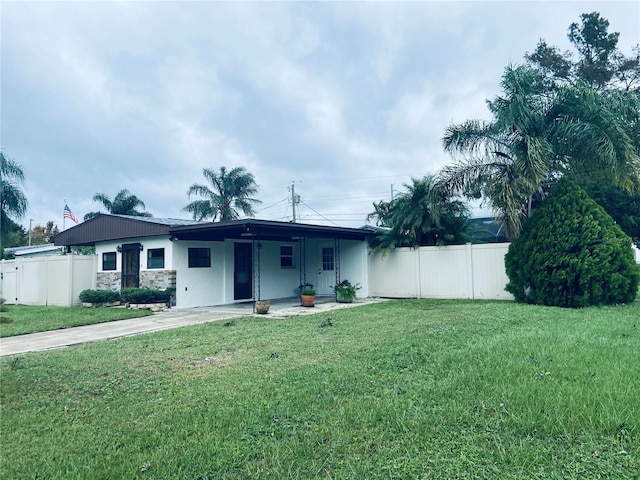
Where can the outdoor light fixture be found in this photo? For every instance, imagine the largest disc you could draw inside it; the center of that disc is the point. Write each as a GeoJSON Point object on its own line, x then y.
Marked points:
{"type": "Point", "coordinates": [119, 249]}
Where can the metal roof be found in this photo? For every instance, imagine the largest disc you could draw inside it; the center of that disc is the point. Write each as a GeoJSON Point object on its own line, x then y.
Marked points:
{"type": "Point", "coordinates": [105, 227]}
{"type": "Point", "coordinates": [119, 227]}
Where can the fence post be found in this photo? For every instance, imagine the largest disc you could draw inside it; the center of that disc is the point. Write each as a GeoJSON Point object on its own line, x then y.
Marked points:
{"type": "Point", "coordinates": [470, 282]}
{"type": "Point", "coordinates": [418, 273]}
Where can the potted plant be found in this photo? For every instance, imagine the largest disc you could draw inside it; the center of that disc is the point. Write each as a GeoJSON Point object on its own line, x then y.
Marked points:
{"type": "Point", "coordinates": [307, 295]}
{"type": "Point", "coordinates": [262, 306]}
{"type": "Point", "coordinates": [346, 291]}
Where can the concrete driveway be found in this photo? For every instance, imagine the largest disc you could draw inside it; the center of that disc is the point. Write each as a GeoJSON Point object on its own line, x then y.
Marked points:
{"type": "Point", "coordinates": [173, 318]}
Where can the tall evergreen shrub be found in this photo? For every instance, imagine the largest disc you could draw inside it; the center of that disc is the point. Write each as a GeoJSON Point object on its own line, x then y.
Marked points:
{"type": "Point", "coordinates": [571, 253]}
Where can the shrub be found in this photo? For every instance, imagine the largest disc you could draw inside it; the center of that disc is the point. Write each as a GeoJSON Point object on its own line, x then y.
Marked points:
{"type": "Point", "coordinates": [571, 254]}
{"type": "Point", "coordinates": [306, 289]}
{"type": "Point", "coordinates": [99, 296]}
{"type": "Point", "coordinates": [346, 291]}
{"type": "Point", "coordinates": [146, 295]}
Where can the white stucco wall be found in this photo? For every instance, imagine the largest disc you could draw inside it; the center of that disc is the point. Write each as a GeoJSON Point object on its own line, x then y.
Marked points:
{"type": "Point", "coordinates": [146, 242]}
{"type": "Point", "coordinates": [202, 286]}
{"type": "Point", "coordinates": [354, 265]}
{"type": "Point", "coordinates": [275, 281]}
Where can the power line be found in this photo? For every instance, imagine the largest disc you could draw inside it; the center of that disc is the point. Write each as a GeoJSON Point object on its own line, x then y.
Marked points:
{"type": "Point", "coordinates": [272, 205]}
{"type": "Point", "coordinates": [319, 214]}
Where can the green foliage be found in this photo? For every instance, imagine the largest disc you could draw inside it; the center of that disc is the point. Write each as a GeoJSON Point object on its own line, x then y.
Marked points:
{"type": "Point", "coordinates": [571, 254]}
{"type": "Point", "coordinates": [599, 62]}
{"type": "Point", "coordinates": [306, 289]}
{"type": "Point", "coordinates": [624, 207]}
{"type": "Point", "coordinates": [346, 291]}
{"type": "Point", "coordinates": [431, 390]}
{"type": "Point", "coordinates": [99, 296]}
{"type": "Point", "coordinates": [83, 250]}
{"type": "Point", "coordinates": [32, 319]}
{"type": "Point", "coordinates": [4, 308]}
{"type": "Point", "coordinates": [43, 234]}
{"type": "Point", "coordinates": [13, 202]}
{"type": "Point", "coordinates": [146, 295]}
{"type": "Point", "coordinates": [231, 192]}
{"type": "Point", "coordinates": [556, 117]}
{"type": "Point", "coordinates": [124, 203]}
{"type": "Point", "coordinates": [424, 214]}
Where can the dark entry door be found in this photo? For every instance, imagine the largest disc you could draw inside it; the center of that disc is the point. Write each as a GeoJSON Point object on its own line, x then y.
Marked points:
{"type": "Point", "coordinates": [242, 277]}
{"type": "Point", "coordinates": [131, 265]}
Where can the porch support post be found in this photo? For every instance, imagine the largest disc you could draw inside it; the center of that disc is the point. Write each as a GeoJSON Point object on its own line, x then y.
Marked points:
{"type": "Point", "coordinates": [336, 249]}
{"type": "Point", "coordinates": [255, 267]}
{"type": "Point", "coordinates": [303, 260]}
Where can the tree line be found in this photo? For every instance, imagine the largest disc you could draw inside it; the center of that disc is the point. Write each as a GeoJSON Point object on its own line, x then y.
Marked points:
{"type": "Point", "coordinates": [560, 115]}
{"type": "Point", "coordinates": [227, 195]}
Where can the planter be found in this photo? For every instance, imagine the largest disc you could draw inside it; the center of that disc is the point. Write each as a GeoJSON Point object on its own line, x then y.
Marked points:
{"type": "Point", "coordinates": [307, 300]}
{"type": "Point", "coordinates": [154, 307]}
{"type": "Point", "coordinates": [262, 307]}
{"type": "Point", "coordinates": [344, 298]}
{"type": "Point", "coordinates": [100, 304]}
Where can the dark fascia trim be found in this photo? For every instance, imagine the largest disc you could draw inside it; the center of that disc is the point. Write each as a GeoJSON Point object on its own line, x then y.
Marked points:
{"type": "Point", "coordinates": [266, 229]}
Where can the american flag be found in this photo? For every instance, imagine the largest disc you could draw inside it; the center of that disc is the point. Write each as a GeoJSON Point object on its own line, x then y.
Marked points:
{"type": "Point", "coordinates": [67, 213]}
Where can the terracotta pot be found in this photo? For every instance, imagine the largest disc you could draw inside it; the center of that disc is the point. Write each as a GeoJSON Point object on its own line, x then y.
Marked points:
{"type": "Point", "coordinates": [262, 307]}
{"type": "Point", "coordinates": [307, 300]}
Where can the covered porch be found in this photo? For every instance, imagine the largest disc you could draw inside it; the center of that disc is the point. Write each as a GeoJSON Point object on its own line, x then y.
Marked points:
{"type": "Point", "coordinates": [266, 260]}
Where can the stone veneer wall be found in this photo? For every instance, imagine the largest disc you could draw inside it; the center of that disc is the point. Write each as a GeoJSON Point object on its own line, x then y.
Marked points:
{"type": "Point", "coordinates": [108, 281]}
{"type": "Point", "coordinates": [156, 279]}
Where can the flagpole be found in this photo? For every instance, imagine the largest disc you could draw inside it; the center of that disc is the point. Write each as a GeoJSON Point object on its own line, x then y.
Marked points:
{"type": "Point", "coordinates": [63, 217]}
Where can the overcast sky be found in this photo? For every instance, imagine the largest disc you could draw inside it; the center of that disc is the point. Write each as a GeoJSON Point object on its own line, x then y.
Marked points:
{"type": "Point", "coordinates": [349, 100]}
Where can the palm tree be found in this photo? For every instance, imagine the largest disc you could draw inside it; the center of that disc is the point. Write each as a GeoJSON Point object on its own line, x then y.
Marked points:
{"type": "Point", "coordinates": [423, 215]}
{"type": "Point", "coordinates": [231, 192]}
{"type": "Point", "coordinates": [13, 202]}
{"type": "Point", "coordinates": [125, 203]}
{"type": "Point", "coordinates": [535, 137]}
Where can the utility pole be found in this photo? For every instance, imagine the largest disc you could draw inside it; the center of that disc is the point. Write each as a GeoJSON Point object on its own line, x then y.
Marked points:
{"type": "Point", "coordinates": [30, 229]}
{"type": "Point", "coordinates": [295, 200]}
{"type": "Point", "coordinates": [392, 191]}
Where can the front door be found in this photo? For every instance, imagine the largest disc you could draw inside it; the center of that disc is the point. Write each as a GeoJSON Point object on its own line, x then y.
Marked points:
{"type": "Point", "coordinates": [243, 269]}
{"type": "Point", "coordinates": [326, 271]}
{"type": "Point", "coordinates": [131, 265]}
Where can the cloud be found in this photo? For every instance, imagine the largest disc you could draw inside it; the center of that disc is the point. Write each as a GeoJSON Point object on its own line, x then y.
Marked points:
{"type": "Point", "coordinates": [344, 98]}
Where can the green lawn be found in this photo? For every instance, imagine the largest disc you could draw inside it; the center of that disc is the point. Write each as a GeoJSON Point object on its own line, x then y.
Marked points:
{"type": "Point", "coordinates": [29, 319]}
{"type": "Point", "coordinates": [403, 390]}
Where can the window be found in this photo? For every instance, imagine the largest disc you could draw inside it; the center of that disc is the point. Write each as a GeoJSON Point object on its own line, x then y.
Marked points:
{"type": "Point", "coordinates": [109, 261]}
{"type": "Point", "coordinates": [199, 257]}
{"type": "Point", "coordinates": [286, 256]}
{"type": "Point", "coordinates": [155, 258]}
{"type": "Point", "coordinates": [327, 258]}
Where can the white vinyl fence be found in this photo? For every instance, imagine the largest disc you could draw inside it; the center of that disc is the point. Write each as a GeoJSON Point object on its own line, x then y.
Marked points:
{"type": "Point", "coordinates": [458, 271]}
{"type": "Point", "coordinates": [50, 280]}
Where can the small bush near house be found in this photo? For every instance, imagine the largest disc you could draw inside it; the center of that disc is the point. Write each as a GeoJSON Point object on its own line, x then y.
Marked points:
{"type": "Point", "coordinates": [99, 296]}
{"type": "Point", "coordinates": [571, 254]}
{"type": "Point", "coordinates": [146, 295]}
